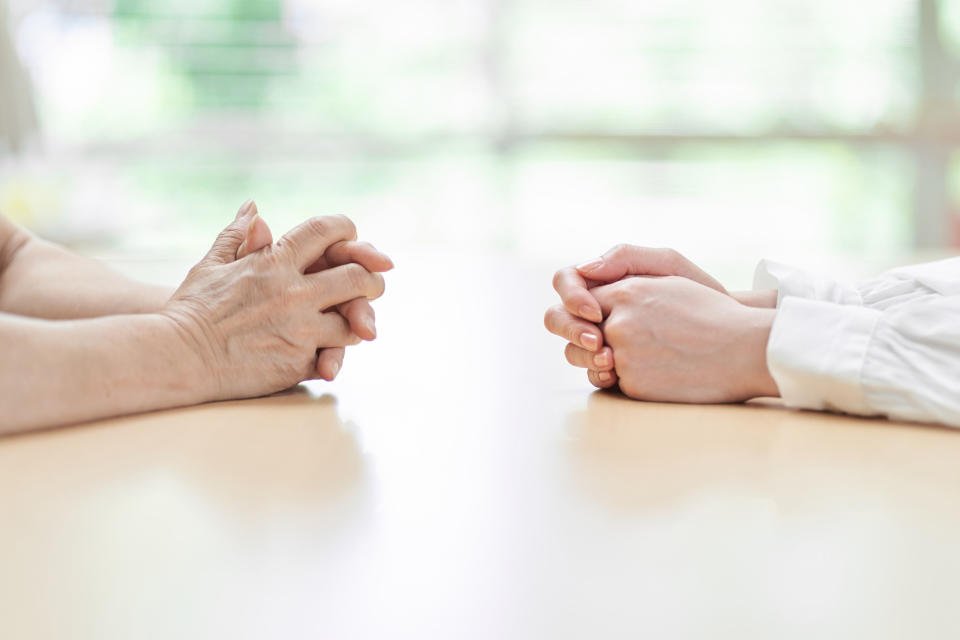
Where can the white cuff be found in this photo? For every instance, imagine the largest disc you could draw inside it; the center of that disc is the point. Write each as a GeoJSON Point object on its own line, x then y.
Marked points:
{"type": "Point", "coordinates": [790, 281]}
{"type": "Point", "coordinates": [816, 353]}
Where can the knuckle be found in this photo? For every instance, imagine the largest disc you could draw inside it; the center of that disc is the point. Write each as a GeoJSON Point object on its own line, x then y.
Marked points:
{"type": "Point", "coordinates": [672, 257]}
{"type": "Point", "coordinates": [570, 353]}
{"type": "Point", "coordinates": [632, 287]}
{"type": "Point", "coordinates": [317, 225]}
{"type": "Point", "coordinates": [620, 250]}
{"type": "Point", "coordinates": [356, 276]}
{"type": "Point", "coordinates": [615, 331]}
{"type": "Point", "coordinates": [346, 223]}
{"type": "Point", "coordinates": [234, 234]}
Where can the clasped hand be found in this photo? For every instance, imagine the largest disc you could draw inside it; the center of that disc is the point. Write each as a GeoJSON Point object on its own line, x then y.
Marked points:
{"type": "Point", "coordinates": [263, 316]}
{"type": "Point", "coordinates": [660, 328]}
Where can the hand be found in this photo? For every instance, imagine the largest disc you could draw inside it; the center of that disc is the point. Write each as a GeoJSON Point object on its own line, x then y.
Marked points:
{"type": "Point", "coordinates": [676, 340]}
{"type": "Point", "coordinates": [256, 323]}
{"type": "Point", "coordinates": [358, 312]}
{"type": "Point", "coordinates": [575, 318]}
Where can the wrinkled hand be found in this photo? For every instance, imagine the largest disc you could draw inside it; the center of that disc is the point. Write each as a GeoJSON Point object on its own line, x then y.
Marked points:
{"type": "Point", "coordinates": [677, 340]}
{"type": "Point", "coordinates": [577, 317]}
{"type": "Point", "coordinates": [257, 322]}
{"type": "Point", "coordinates": [358, 312]}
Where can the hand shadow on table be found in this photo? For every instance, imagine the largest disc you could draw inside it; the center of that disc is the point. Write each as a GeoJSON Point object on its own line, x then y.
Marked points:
{"type": "Point", "coordinates": [286, 453]}
{"type": "Point", "coordinates": [304, 454]}
{"type": "Point", "coordinates": [627, 455]}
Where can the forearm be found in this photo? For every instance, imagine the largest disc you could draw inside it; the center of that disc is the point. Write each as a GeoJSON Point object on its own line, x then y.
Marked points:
{"type": "Point", "coordinates": [60, 372]}
{"type": "Point", "coordinates": [41, 280]}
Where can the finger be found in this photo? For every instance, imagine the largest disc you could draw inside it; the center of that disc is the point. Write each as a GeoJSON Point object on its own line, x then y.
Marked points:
{"type": "Point", "coordinates": [360, 316]}
{"type": "Point", "coordinates": [602, 379]}
{"type": "Point", "coordinates": [306, 242]}
{"type": "Point", "coordinates": [625, 259]}
{"type": "Point", "coordinates": [607, 294]}
{"type": "Point", "coordinates": [561, 322]}
{"type": "Point", "coordinates": [346, 282]}
{"type": "Point", "coordinates": [258, 237]}
{"type": "Point", "coordinates": [225, 247]}
{"type": "Point", "coordinates": [572, 287]}
{"type": "Point", "coordinates": [362, 253]}
{"type": "Point", "coordinates": [329, 363]}
{"type": "Point", "coordinates": [598, 361]}
{"type": "Point", "coordinates": [333, 331]}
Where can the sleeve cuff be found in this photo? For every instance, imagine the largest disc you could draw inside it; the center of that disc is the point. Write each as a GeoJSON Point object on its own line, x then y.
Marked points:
{"type": "Point", "coordinates": [790, 281]}
{"type": "Point", "coordinates": [816, 353]}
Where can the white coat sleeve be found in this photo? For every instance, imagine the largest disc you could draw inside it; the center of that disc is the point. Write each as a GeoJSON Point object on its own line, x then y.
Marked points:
{"type": "Point", "coordinates": [902, 362]}
{"type": "Point", "coordinates": [895, 287]}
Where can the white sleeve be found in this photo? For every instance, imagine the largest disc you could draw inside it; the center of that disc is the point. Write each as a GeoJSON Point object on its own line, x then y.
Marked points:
{"type": "Point", "coordinates": [908, 284]}
{"type": "Point", "coordinates": [791, 281]}
{"type": "Point", "coordinates": [903, 363]}
{"type": "Point", "coordinates": [890, 289]}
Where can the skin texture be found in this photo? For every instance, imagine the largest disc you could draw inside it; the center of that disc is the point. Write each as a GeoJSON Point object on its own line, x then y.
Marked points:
{"type": "Point", "coordinates": [582, 321]}
{"type": "Point", "coordinates": [236, 327]}
{"type": "Point", "coordinates": [359, 312]}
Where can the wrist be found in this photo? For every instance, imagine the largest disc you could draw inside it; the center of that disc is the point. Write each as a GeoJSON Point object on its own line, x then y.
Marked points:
{"type": "Point", "coordinates": [764, 299]}
{"type": "Point", "coordinates": [760, 382]}
{"type": "Point", "coordinates": [184, 355]}
{"type": "Point", "coordinates": [151, 298]}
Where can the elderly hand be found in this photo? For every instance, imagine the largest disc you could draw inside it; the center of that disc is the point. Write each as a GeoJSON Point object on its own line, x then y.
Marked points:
{"type": "Point", "coordinates": [256, 323]}
{"type": "Point", "coordinates": [676, 340]}
{"type": "Point", "coordinates": [358, 312]}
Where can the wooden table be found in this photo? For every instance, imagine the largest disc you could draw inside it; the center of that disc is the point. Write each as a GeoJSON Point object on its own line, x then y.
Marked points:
{"type": "Point", "coordinates": [460, 481]}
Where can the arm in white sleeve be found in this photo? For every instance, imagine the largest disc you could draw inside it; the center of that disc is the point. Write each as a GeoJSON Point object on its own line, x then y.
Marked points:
{"type": "Point", "coordinates": [892, 288]}
{"type": "Point", "coordinates": [903, 363]}
{"type": "Point", "coordinates": [791, 281]}
{"type": "Point", "coordinates": [905, 285]}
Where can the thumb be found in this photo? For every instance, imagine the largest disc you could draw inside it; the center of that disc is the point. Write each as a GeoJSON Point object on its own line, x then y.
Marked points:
{"type": "Point", "coordinates": [225, 247]}
{"type": "Point", "coordinates": [258, 237]}
{"type": "Point", "coordinates": [628, 260]}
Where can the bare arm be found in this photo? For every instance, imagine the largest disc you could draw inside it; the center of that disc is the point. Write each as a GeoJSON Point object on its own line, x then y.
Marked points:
{"type": "Point", "coordinates": [59, 372]}
{"type": "Point", "coordinates": [236, 328]}
{"type": "Point", "coordinates": [41, 280]}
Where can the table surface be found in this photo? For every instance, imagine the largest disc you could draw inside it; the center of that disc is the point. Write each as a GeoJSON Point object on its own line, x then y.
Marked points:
{"type": "Point", "coordinates": [460, 481]}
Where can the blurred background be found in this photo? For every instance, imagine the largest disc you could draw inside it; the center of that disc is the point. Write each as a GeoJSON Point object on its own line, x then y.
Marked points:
{"type": "Point", "coordinates": [815, 131]}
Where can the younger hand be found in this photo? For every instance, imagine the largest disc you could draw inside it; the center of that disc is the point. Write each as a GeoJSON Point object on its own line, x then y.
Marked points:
{"type": "Point", "coordinates": [676, 340]}
{"type": "Point", "coordinates": [576, 317]}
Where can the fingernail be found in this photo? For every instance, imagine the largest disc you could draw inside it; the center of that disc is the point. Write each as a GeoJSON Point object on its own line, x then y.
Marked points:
{"type": "Point", "coordinates": [603, 376]}
{"type": "Point", "coordinates": [334, 369]}
{"type": "Point", "coordinates": [589, 313]}
{"type": "Point", "coordinates": [371, 327]}
{"type": "Point", "coordinates": [246, 207]}
{"type": "Point", "coordinates": [589, 341]}
{"type": "Point", "coordinates": [602, 359]}
{"type": "Point", "coordinates": [592, 265]}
